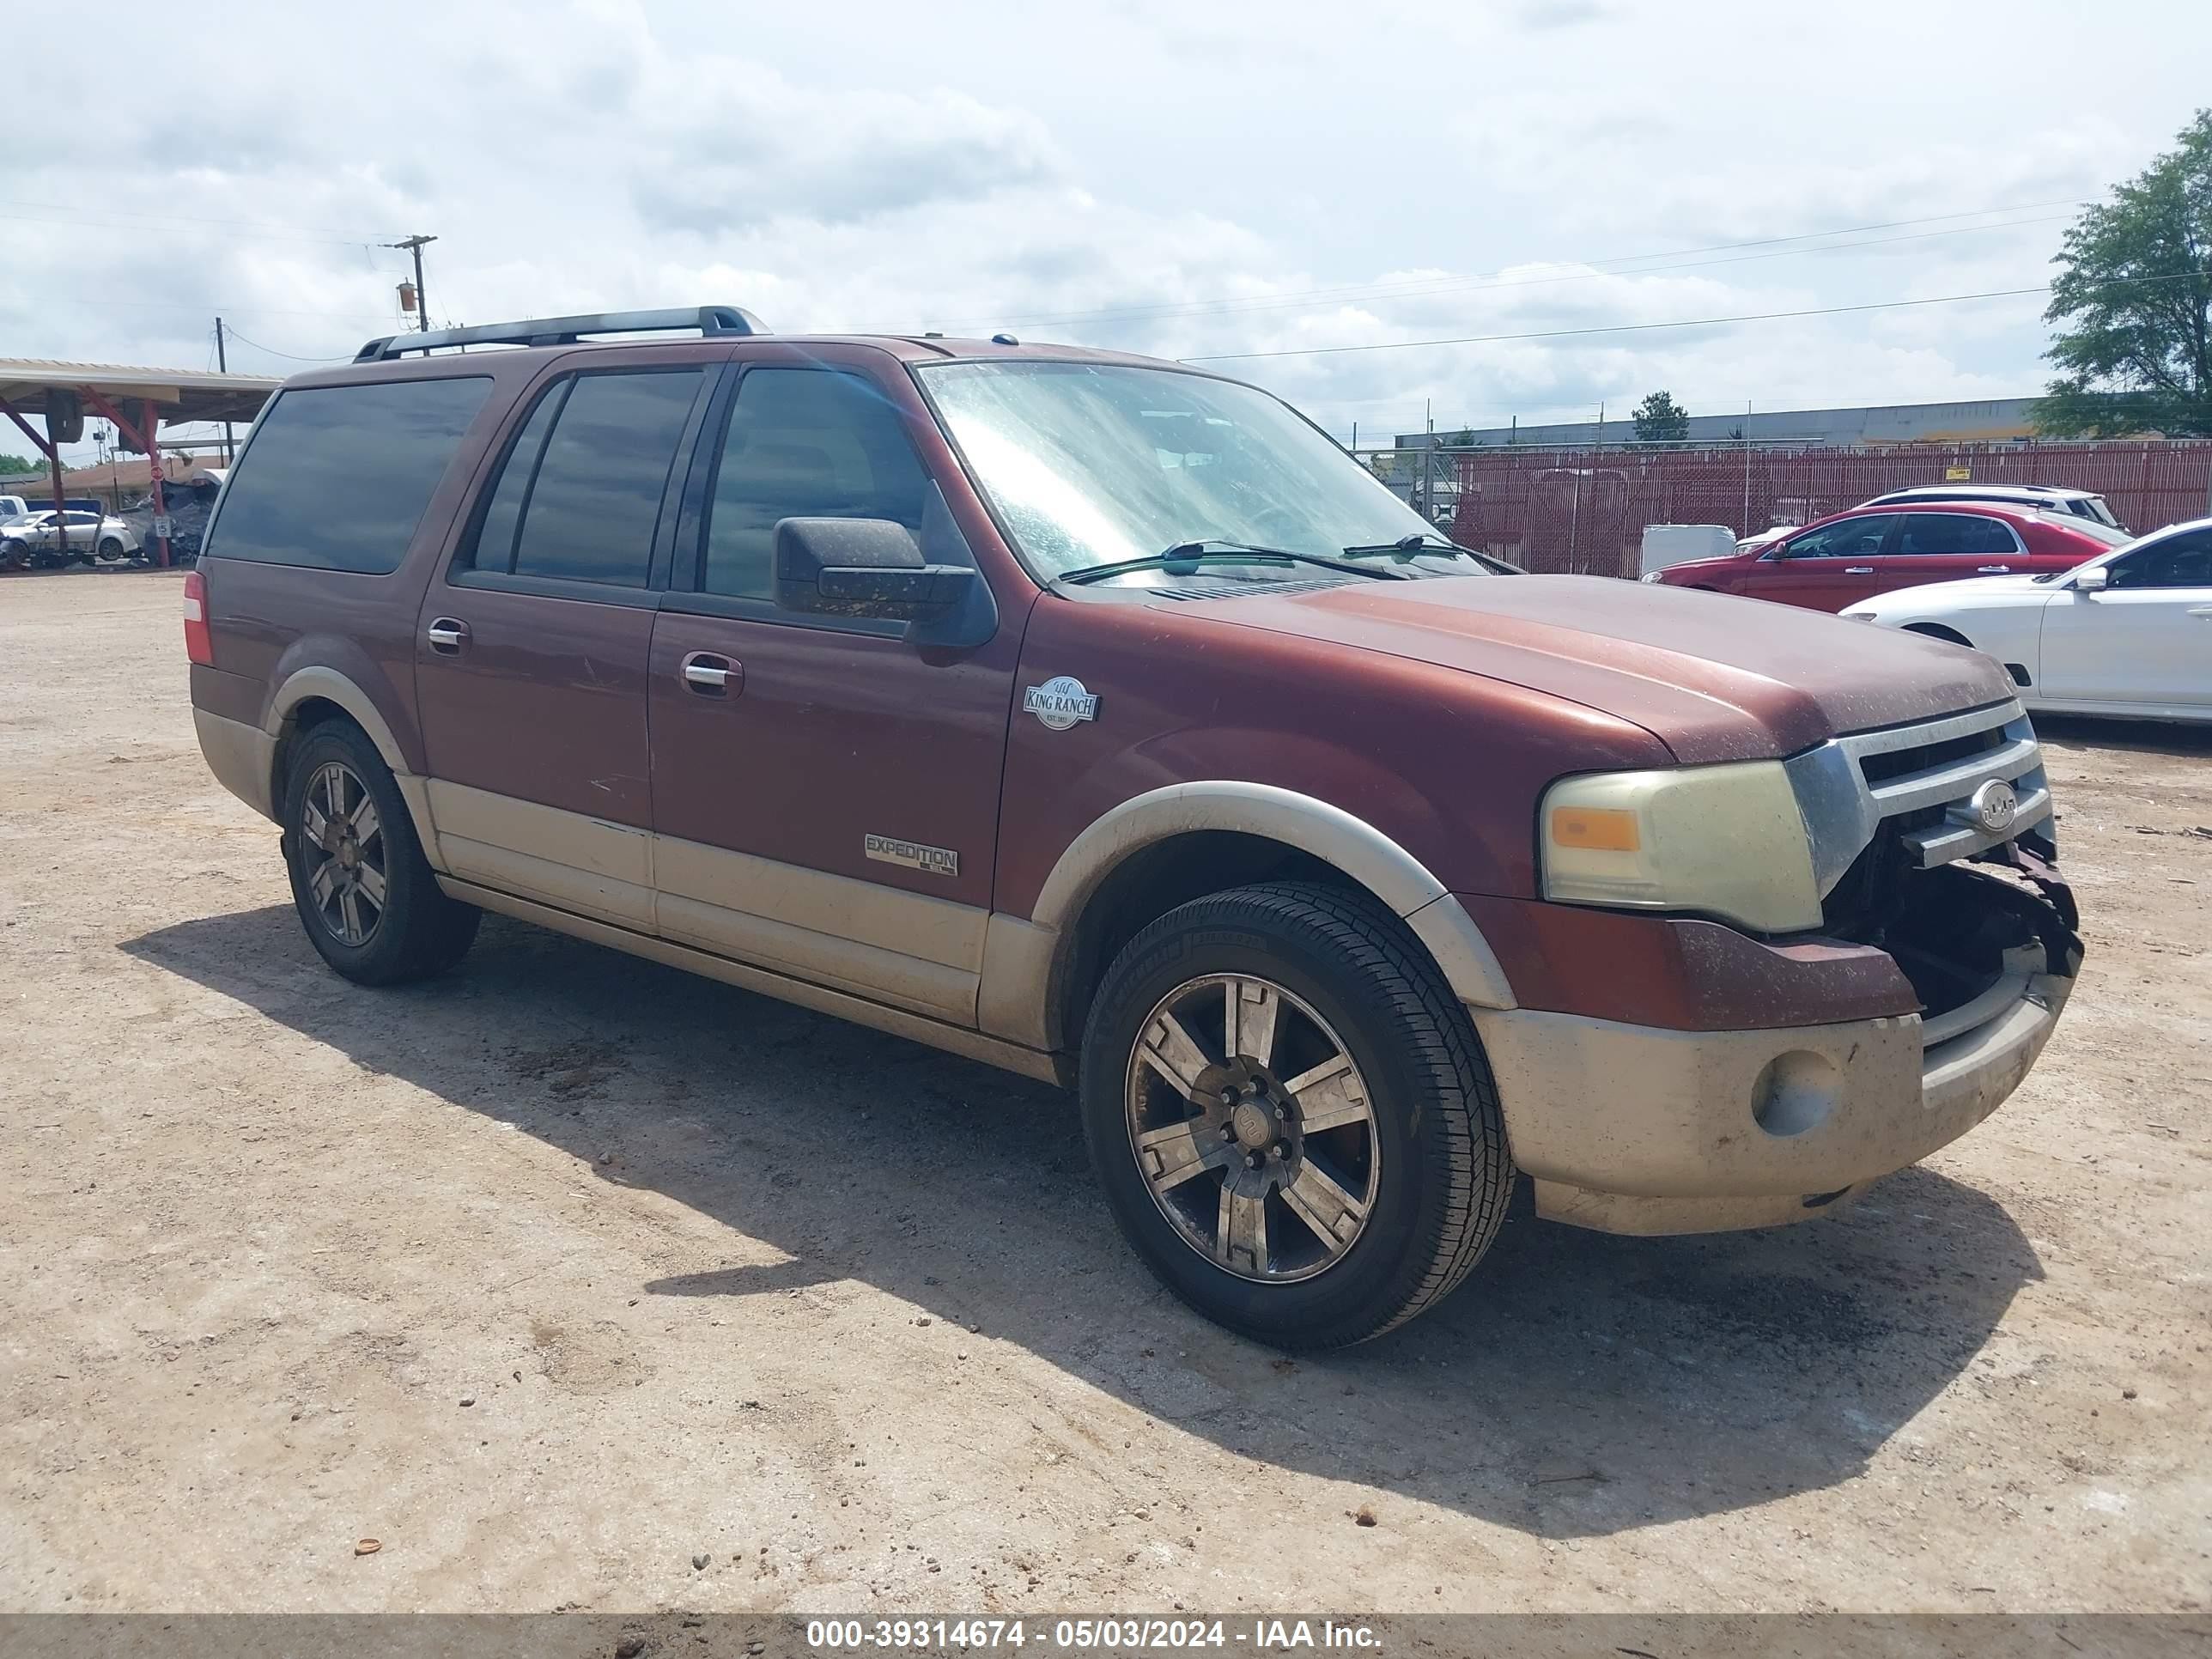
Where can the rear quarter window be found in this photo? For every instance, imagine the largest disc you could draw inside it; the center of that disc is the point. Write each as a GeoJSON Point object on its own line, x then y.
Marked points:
{"type": "Point", "coordinates": [336, 478]}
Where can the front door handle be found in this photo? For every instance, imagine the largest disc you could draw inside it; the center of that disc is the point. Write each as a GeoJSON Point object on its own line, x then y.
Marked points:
{"type": "Point", "coordinates": [1993, 569]}
{"type": "Point", "coordinates": [711, 676]}
{"type": "Point", "coordinates": [2201, 612]}
{"type": "Point", "coordinates": [1859, 570]}
{"type": "Point", "coordinates": [447, 633]}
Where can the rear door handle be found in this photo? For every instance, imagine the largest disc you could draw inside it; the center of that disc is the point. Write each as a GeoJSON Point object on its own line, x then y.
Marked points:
{"type": "Point", "coordinates": [447, 633]}
{"type": "Point", "coordinates": [1993, 569]}
{"type": "Point", "coordinates": [711, 676]}
{"type": "Point", "coordinates": [2201, 612]}
{"type": "Point", "coordinates": [1859, 570]}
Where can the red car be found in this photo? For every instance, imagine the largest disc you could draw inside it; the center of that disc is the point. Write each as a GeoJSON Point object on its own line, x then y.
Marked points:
{"type": "Point", "coordinates": [1867, 550]}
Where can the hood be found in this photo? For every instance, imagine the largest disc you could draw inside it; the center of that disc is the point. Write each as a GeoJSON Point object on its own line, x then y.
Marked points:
{"type": "Point", "coordinates": [1970, 592]}
{"type": "Point", "coordinates": [1712, 677]}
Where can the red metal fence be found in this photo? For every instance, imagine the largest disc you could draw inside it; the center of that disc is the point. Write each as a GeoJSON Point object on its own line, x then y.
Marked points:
{"type": "Point", "coordinates": [1583, 510]}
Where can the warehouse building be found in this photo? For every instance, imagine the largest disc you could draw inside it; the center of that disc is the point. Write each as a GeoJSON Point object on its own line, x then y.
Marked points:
{"type": "Point", "coordinates": [1990, 421]}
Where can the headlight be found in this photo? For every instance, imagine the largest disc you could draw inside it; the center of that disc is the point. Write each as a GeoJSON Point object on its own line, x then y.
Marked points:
{"type": "Point", "coordinates": [1648, 576]}
{"type": "Point", "coordinates": [1728, 840]}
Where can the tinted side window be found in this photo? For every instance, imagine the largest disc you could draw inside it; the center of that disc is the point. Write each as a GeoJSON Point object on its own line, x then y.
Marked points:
{"type": "Point", "coordinates": [1848, 538]}
{"type": "Point", "coordinates": [493, 546]}
{"type": "Point", "coordinates": [338, 476]}
{"type": "Point", "coordinates": [2182, 561]}
{"type": "Point", "coordinates": [805, 443]}
{"type": "Point", "coordinates": [1965, 533]}
{"type": "Point", "coordinates": [592, 510]}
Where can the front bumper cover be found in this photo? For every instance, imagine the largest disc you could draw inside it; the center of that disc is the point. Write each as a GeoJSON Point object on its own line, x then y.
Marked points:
{"type": "Point", "coordinates": [1637, 1129]}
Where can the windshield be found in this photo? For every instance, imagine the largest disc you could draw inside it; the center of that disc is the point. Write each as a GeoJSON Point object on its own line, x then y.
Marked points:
{"type": "Point", "coordinates": [2093, 507]}
{"type": "Point", "coordinates": [1087, 465]}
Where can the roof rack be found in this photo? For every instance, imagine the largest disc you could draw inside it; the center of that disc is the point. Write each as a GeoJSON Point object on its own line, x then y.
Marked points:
{"type": "Point", "coordinates": [566, 331]}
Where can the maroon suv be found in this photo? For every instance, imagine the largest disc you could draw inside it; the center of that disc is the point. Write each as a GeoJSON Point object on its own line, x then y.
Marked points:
{"type": "Point", "coordinates": [1853, 555]}
{"type": "Point", "coordinates": [1104, 721]}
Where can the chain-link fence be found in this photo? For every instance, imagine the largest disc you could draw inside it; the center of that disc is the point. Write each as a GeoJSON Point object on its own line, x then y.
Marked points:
{"type": "Point", "coordinates": [1583, 511]}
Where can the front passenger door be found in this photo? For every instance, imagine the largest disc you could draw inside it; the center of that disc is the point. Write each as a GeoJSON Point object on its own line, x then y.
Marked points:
{"type": "Point", "coordinates": [825, 794]}
{"type": "Point", "coordinates": [1824, 568]}
{"type": "Point", "coordinates": [2145, 638]}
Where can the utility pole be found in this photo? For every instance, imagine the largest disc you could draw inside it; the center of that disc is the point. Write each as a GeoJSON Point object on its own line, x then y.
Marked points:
{"type": "Point", "coordinates": [414, 245]}
{"type": "Point", "coordinates": [1747, 466]}
{"type": "Point", "coordinates": [223, 362]}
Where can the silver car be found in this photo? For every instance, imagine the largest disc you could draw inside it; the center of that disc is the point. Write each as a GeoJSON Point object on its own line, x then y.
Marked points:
{"type": "Point", "coordinates": [37, 537]}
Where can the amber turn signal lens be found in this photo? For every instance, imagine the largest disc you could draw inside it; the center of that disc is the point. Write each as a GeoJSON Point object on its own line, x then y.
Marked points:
{"type": "Point", "coordinates": [1597, 828]}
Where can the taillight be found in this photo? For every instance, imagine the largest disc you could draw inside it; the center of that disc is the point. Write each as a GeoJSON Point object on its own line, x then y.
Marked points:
{"type": "Point", "coordinates": [199, 646]}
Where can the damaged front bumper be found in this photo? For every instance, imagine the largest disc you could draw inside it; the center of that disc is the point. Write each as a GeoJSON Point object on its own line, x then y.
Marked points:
{"type": "Point", "coordinates": [1638, 1129]}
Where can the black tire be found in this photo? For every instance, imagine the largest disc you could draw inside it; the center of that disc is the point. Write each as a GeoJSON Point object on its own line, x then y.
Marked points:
{"type": "Point", "coordinates": [111, 547]}
{"type": "Point", "coordinates": [417, 931]}
{"type": "Point", "coordinates": [1442, 1175]}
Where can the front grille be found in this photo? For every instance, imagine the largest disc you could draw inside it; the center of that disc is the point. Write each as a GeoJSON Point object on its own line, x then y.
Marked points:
{"type": "Point", "coordinates": [1880, 769]}
{"type": "Point", "coordinates": [1894, 809]}
{"type": "Point", "coordinates": [1922, 780]}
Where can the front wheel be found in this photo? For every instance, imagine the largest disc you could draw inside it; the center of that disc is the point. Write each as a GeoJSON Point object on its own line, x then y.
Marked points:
{"type": "Point", "coordinates": [364, 892]}
{"type": "Point", "coordinates": [1290, 1115]}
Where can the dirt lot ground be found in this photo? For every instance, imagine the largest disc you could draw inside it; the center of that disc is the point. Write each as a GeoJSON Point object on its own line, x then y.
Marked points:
{"type": "Point", "coordinates": [567, 1269]}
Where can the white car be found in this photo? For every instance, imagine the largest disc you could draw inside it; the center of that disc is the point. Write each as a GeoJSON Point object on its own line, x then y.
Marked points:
{"type": "Point", "coordinates": [2046, 498]}
{"type": "Point", "coordinates": [90, 535]}
{"type": "Point", "coordinates": [2128, 633]}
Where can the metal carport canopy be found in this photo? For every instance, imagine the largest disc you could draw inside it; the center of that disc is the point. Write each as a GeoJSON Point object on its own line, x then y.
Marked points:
{"type": "Point", "coordinates": [137, 400]}
{"type": "Point", "coordinates": [182, 394]}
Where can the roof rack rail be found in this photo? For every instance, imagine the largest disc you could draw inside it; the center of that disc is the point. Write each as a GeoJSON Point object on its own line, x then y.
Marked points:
{"type": "Point", "coordinates": [566, 331]}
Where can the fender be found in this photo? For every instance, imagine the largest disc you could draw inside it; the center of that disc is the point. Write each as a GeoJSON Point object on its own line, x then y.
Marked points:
{"type": "Point", "coordinates": [1024, 960]}
{"type": "Point", "coordinates": [332, 686]}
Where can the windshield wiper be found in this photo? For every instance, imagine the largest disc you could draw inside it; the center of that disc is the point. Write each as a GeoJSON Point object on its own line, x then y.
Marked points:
{"type": "Point", "coordinates": [1409, 547]}
{"type": "Point", "coordinates": [1188, 555]}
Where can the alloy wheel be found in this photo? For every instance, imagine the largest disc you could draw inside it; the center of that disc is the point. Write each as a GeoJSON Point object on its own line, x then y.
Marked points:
{"type": "Point", "coordinates": [342, 847]}
{"type": "Point", "coordinates": [1253, 1129]}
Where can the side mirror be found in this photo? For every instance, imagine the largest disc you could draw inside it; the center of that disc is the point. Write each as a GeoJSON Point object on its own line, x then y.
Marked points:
{"type": "Point", "coordinates": [863, 567]}
{"type": "Point", "coordinates": [2095, 580]}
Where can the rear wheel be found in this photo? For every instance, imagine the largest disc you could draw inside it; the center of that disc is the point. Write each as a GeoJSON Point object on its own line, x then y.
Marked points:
{"type": "Point", "coordinates": [1290, 1115]}
{"type": "Point", "coordinates": [111, 547]}
{"type": "Point", "coordinates": [364, 892]}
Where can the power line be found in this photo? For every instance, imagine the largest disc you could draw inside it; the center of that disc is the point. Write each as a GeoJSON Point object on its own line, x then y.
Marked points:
{"type": "Point", "coordinates": [1639, 328]}
{"type": "Point", "coordinates": [1471, 285]}
{"type": "Point", "coordinates": [292, 356]}
{"type": "Point", "coordinates": [1426, 284]}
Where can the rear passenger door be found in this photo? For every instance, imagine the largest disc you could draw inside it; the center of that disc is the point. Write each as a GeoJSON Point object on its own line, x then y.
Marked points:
{"type": "Point", "coordinates": [1944, 547]}
{"type": "Point", "coordinates": [826, 793]}
{"type": "Point", "coordinates": [532, 646]}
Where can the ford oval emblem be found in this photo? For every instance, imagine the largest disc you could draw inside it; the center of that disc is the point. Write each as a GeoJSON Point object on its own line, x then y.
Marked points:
{"type": "Point", "coordinates": [1994, 805]}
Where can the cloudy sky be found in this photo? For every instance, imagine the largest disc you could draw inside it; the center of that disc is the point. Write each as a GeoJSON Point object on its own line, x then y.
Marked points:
{"type": "Point", "coordinates": [1189, 179]}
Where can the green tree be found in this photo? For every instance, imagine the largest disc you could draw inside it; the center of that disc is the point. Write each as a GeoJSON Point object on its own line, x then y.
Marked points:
{"type": "Point", "coordinates": [1661, 420]}
{"type": "Point", "coordinates": [2134, 300]}
{"type": "Point", "coordinates": [13, 466]}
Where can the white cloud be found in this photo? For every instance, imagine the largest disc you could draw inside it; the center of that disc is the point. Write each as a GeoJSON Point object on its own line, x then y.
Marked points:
{"type": "Point", "coordinates": [1249, 177]}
